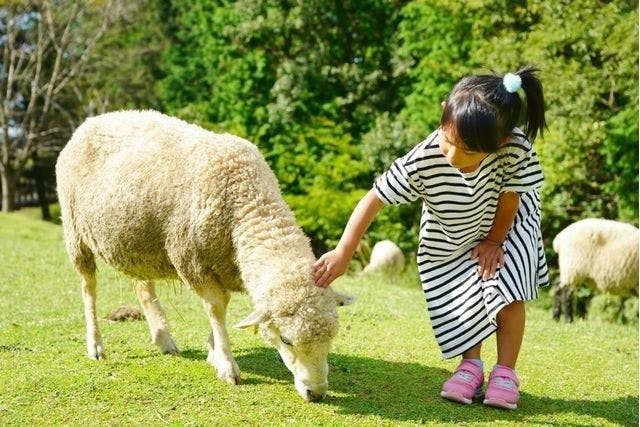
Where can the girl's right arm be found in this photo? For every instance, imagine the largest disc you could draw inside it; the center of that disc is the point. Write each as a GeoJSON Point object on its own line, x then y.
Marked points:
{"type": "Point", "coordinates": [334, 263]}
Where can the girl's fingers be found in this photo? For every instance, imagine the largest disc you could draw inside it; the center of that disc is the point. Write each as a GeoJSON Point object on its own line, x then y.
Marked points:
{"type": "Point", "coordinates": [318, 269]}
{"type": "Point", "coordinates": [480, 266]}
{"type": "Point", "coordinates": [474, 253]}
{"type": "Point", "coordinates": [326, 279]}
{"type": "Point", "coordinates": [320, 262]}
{"type": "Point", "coordinates": [492, 270]}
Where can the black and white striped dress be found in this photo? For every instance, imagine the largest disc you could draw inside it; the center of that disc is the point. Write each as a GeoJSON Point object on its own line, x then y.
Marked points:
{"type": "Point", "coordinates": [457, 213]}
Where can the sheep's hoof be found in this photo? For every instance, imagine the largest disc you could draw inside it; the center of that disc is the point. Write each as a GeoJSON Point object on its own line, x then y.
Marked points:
{"type": "Point", "coordinates": [95, 351]}
{"type": "Point", "coordinates": [231, 379]}
{"type": "Point", "coordinates": [228, 370]}
{"type": "Point", "coordinates": [165, 343]}
{"type": "Point", "coordinates": [170, 347]}
{"type": "Point", "coordinates": [173, 350]}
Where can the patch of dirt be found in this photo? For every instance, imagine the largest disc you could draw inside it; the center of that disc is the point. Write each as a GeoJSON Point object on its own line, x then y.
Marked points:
{"type": "Point", "coordinates": [124, 313]}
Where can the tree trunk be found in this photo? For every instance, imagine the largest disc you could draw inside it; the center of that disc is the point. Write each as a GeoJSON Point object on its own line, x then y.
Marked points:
{"type": "Point", "coordinates": [8, 180]}
{"type": "Point", "coordinates": [41, 189]}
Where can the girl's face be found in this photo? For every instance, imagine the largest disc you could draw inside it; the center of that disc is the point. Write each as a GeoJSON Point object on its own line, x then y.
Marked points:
{"type": "Point", "coordinates": [456, 153]}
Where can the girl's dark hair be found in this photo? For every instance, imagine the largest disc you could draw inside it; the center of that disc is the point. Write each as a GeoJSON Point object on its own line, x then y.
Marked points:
{"type": "Point", "coordinates": [480, 111]}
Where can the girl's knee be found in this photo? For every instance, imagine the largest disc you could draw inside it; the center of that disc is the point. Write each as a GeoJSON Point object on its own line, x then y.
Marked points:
{"type": "Point", "coordinates": [516, 308]}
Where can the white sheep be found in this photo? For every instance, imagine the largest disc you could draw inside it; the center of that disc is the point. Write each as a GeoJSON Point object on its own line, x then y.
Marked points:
{"type": "Point", "coordinates": [386, 257]}
{"type": "Point", "coordinates": [158, 198]}
{"type": "Point", "coordinates": [599, 254]}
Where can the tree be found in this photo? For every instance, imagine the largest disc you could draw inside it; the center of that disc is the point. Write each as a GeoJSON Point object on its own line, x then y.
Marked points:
{"type": "Point", "coordinates": [303, 80]}
{"type": "Point", "coordinates": [45, 47]}
{"type": "Point", "coordinates": [588, 54]}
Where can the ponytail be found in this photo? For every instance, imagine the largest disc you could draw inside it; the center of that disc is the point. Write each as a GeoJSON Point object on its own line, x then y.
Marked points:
{"type": "Point", "coordinates": [480, 110]}
{"type": "Point", "coordinates": [535, 123]}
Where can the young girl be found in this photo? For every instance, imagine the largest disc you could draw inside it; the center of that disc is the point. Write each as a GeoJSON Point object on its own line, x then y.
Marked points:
{"type": "Point", "coordinates": [480, 253]}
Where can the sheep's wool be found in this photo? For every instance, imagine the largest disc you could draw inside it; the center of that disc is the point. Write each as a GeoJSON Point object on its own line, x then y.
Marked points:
{"type": "Point", "coordinates": [158, 198]}
{"type": "Point", "coordinates": [601, 253]}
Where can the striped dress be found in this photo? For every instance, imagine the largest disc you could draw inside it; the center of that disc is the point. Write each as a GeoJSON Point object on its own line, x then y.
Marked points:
{"type": "Point", "coordinates": [457, 213]}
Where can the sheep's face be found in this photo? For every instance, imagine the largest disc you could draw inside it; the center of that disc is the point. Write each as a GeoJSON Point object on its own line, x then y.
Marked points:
{"type": "Point", "coordinates": [306, 361]}
{"type": "Point", "coordinates": [303, 340]}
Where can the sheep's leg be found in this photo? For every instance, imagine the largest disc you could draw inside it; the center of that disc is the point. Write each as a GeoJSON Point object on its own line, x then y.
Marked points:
{"type": "Point", "coordinates": [95, 348]}
{"type": "Point", "coordinates": [215, 302]}
{"type": "Point", "coordinates": [567, 297]}
{"type": "Point", "coordinates": [557, 303]}
{"type": "Point", "coordinates": [158, 326]}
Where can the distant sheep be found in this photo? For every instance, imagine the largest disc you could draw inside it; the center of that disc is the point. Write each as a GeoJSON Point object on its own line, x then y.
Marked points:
{"type": "Point", "coordinates": [386, 257]}
{"type": "Point", "coordinates": [158, 198]}
{"type": "Point", "coordinates": [596, 253]}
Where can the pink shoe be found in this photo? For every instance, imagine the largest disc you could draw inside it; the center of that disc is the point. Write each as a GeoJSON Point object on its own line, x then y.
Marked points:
{"type": "Point", "coordinates": [464, 384]}
{"type": "Point", "coordinates": [502, 390]}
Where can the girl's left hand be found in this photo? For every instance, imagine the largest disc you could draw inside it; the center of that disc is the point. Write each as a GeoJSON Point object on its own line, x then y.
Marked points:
{"type": "Point", "coordinates": [490, 257]}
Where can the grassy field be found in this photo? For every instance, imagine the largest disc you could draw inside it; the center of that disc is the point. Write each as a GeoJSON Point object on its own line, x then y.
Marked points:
{"type": "Point", "coordinates": [385, 368]}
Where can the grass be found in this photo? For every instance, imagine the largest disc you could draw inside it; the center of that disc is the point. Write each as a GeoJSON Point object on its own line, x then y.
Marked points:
{"type": "Point", "coordinates": [385, 368]}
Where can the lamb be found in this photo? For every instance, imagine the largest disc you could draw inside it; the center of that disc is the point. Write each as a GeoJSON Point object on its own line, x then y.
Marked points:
{"type": "Point", "coordinates": [158, 198]}
{"type": "Point", "coordinates": [386, 256]}
{"type": "Point", "coordinates": [596, 253]}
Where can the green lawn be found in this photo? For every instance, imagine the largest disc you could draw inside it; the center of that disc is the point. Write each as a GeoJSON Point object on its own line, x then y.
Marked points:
{"type": "Point", "coordinates": [385, 368]}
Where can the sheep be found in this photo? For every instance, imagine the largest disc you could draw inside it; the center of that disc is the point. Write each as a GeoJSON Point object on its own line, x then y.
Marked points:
{"type": "Point", "coordinates": [596, 253]}
{"type": "Point", "coordinates": [386, 257]}
{"type": "Point", "coordinates": [158, 198]}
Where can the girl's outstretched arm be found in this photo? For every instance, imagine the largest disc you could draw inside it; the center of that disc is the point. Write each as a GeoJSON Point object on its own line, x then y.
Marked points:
{"type": "Point", "coordinates": [334, 263]}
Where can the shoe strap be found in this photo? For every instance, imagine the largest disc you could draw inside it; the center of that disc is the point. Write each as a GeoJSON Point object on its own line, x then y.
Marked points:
{"type": "Point", "coordinates": [503, 375]}
{"type": "Point", "coordinates": [469, 371]}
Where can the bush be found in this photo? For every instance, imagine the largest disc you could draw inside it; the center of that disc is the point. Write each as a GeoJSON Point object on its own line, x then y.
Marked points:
{"type": "Point", "coordinates": [630, 311]}
{"type": "Point", "coordinates": [614, 309]}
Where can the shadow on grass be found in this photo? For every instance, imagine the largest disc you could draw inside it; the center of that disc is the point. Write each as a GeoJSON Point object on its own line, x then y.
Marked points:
{"type": "Point", "coordinates": [410, 392]}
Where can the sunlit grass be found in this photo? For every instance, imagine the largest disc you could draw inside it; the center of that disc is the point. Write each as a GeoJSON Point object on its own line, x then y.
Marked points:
{"type": "Point", "coordinates": [385, 368]}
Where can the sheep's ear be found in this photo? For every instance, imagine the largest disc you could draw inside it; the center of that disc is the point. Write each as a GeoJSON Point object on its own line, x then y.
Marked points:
{"type": "Point", "coordinates": [254, 319]}
{"type": "Point", "coordinates": [342, 299]}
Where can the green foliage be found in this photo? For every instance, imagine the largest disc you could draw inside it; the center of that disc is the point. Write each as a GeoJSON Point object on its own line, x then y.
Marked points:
{"type": "Point", "coordinates": [303, 81]}
{"type": "Point", "coordinates": [331, 211]}
{"type": "Point", "coordinates": [629, 313]}
{"type": "Point", "coordinates": [333, 92]}
{"type": "Point", "coordinates": [588, 56]}
{"type": "Point", "coordinates": [433, 53]}
{"type": "Point", "coordinates": [614, 309]}
{"type": "Point", "coordinates": [125, 63]}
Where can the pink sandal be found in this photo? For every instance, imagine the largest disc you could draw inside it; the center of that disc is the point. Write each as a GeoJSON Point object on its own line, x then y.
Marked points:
{"type": "Point", "coordinates": [502, 390]}
{"type": "Point", "coordinates": [465, 383]}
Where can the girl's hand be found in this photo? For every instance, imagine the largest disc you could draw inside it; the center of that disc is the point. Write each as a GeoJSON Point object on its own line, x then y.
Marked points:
{"type": "Point", "coordinates": [329, 267]}
{"type": "Point", "coordinates": [490, 257]}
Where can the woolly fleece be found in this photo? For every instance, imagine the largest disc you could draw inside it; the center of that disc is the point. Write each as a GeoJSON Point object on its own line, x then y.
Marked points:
{"type": "Point", "coordinates": [159, 198]}
{"type": "Point", "coordinates": [600, 252]}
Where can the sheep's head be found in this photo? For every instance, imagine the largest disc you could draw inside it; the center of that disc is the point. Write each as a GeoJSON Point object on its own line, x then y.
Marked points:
{"type": "Point", "coordinates": [301, 328]}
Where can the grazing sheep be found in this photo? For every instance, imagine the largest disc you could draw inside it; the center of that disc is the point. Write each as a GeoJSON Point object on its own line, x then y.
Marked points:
{"type": "Point", "coordinates": [386, 257]}
{"type": "Point", "coordinates": [158, 198]}
{"type": "Point", "coordinates": [596, 253]}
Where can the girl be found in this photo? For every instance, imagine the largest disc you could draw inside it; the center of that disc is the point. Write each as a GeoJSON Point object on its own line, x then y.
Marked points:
{"type": "Point", "coordinates": [480, 253]}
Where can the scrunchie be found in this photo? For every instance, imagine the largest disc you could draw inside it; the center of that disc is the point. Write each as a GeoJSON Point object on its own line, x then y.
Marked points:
{"type": "Point", "coordinates": [512, 82]}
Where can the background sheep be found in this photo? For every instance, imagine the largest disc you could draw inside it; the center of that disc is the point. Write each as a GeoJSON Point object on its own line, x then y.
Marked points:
{"type": "Point", "coordinates": [386, 257]}
{"type": "Point", "coordinates": [599, 254]}
{"type": "Point", "coordinates": [158, 198]}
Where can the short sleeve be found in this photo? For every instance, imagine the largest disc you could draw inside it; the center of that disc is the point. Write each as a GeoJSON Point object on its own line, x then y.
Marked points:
{"type": "Point", "coordinates": [400, 184]}
{"type": "Point", "coordinates": [522, 171]}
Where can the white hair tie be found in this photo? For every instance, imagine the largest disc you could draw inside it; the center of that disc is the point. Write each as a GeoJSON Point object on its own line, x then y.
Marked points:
{"type": "Point", "coordinates": [512, 82]}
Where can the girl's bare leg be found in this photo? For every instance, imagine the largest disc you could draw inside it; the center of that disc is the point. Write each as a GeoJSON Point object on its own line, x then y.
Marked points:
{"type": "Point", "coordinates": [511, 320]}
{"type": "Point", "coordinates": [473, 352]}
